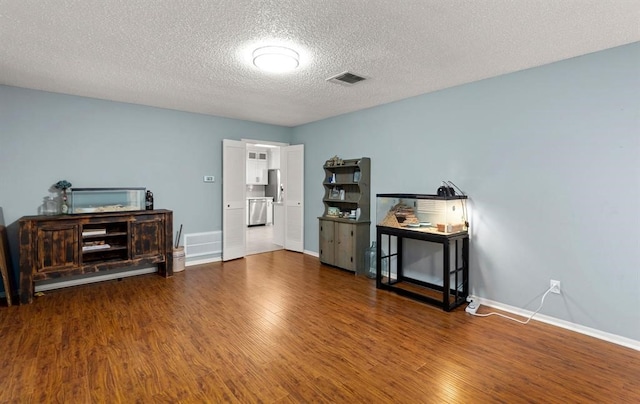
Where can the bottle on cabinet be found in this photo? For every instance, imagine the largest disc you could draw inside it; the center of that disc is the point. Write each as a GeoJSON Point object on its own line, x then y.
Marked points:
{"type": "Point", "coordinates": [149, 200]}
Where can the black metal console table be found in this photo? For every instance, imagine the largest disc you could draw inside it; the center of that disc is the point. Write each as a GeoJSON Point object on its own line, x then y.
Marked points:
{"type": "Point", "coordinates": [455, 283]}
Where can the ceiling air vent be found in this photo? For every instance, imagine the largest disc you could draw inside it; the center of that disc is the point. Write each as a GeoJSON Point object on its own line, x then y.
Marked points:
{"type": "Point", "coordinates": [346, 78]}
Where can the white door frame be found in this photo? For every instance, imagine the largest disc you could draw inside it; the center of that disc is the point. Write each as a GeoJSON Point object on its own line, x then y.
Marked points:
{"type": "Point", "coordinates": [233, 209]}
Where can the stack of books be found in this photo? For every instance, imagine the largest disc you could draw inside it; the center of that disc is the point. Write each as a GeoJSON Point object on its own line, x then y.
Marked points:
{"type": "Point", "coordinates": [95, 245]}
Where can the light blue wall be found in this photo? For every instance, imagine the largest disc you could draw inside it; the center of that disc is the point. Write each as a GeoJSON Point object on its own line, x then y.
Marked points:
{"type": "Point", "coordinates": [46, 137]}
{"type": "Point", "coordinates": [550, 159]}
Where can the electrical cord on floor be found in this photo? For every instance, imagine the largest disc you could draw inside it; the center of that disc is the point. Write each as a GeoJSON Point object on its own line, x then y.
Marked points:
{"type": "Point", "coordinates": [515, 319]}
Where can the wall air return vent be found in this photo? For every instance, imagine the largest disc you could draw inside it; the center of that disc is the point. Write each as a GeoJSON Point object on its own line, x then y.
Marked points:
{"type": "Point", "coordinates": [346, 78]}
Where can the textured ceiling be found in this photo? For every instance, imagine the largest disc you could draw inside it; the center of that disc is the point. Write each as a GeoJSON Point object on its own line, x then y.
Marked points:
{"type": "Point", "coordinates": [195, 55]}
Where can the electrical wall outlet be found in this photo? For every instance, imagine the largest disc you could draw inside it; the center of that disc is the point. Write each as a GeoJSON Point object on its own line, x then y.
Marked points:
{"type": "Point", "coordinates": [208, 178]}
{"type": "Point", "coordinates": [555, 286]}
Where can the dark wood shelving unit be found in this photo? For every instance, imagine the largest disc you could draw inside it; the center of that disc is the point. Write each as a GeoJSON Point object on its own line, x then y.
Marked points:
{"type": "Point", "coordinates": [52, 246]}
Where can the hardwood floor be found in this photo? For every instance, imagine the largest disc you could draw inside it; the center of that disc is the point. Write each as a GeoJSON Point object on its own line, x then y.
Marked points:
{"type": "Point", "coordinates": [281, 327]}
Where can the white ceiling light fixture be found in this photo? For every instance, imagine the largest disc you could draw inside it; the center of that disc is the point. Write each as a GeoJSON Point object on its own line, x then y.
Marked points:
{"type": "Point", "coordinates": [275, 59]}
{"type": "Point", "coordinates": [265, 145]}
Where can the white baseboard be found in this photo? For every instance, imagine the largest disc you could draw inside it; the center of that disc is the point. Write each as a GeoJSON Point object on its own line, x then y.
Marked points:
{"type": "Point", "coordinates": [218, 259]}
{"type": "Point", "coordinates": [202, 261]}
{"type": "Point", "coordinates": [592, 332]}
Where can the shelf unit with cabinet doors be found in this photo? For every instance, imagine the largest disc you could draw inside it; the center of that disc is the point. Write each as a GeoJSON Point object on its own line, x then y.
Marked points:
{"type": "Point", "coordinates": [344, 237]}
{"type": "Point", "coordinates": [66, 245]}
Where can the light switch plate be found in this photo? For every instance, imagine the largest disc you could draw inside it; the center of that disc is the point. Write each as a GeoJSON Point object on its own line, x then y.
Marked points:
{"type": "Point", "coordinates": [209, 178]}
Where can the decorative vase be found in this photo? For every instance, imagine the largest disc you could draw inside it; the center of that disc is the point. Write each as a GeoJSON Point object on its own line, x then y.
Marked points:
{"type": "Point", "coordinates": [64, 206]}
{"type": "Point", "coordinates": [370, 262]}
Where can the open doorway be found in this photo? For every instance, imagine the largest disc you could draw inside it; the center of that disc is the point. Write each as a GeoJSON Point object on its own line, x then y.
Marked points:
{"type": "Point", "coordinates": [264, 188]}
{"type": "Point", "coordinates": [288, 216]}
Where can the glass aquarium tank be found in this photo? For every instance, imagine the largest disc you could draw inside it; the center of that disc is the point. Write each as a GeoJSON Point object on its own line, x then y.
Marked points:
{"type": "Point", "coordinates": [92, 200]}
{"type": "Point", "coordinates": [421, 212]}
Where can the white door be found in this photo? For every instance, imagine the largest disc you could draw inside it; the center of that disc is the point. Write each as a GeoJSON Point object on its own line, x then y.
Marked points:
{"type": "Point", "coordinates": [292, 158]}
{"type": "Point", "coordinates": [233, 199]}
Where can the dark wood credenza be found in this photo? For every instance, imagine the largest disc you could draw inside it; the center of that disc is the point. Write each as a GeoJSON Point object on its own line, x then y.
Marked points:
{"type": "Point", "coordinates": [65, 245]}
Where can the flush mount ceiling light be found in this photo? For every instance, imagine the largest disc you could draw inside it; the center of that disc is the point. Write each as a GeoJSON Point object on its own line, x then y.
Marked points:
{"type": "Point", "coordinates": [264, 145]}
{"type": "Point", "coordinates": [275, 59]}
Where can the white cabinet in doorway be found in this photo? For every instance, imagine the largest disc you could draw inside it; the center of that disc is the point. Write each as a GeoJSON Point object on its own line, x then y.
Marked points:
{"type": "Point", "coordinates": [257, 166]}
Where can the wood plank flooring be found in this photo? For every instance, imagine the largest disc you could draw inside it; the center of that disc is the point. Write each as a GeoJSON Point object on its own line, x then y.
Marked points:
{"type": "Point", "coordinates": [281, 327]}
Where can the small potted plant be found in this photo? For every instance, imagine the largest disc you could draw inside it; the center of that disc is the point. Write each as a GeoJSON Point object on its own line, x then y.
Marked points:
{"type": "Point", "coordinates": [63, 185]}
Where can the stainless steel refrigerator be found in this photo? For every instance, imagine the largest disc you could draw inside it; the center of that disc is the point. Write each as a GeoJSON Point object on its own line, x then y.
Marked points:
{"type": "Point", "coordinates": [274, 186]}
